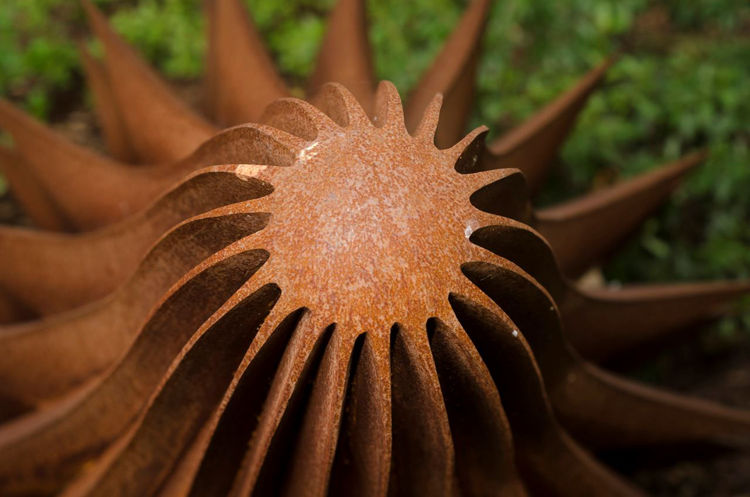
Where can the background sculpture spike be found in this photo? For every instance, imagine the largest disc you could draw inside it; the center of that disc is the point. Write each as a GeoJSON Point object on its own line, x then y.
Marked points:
{"type": "Point", "coordinates": [452, 73]}
{"type": "Point", "coordinates": [240, 76]}
{"type": "Point", "coordinates": [36, 202]}
{"type": "Point", "coordinates": [160, 127]}
{"type": "Point", "coordinates": [611, 321]}
{"type": "Point", "coordinates": [641, 315]}
{"type": "Point", "coordinates": [108, 112]}
{"type": "Point", "coordinates": [65, 170]}
{"type": "Point", "coordinates": [533, 145]}
{"type": "Point", "coordinates": [345, 55]}
{"type": "Point", "coordinates": [122, 190]}
{"type": "Point", "coordinates": [588, 228]}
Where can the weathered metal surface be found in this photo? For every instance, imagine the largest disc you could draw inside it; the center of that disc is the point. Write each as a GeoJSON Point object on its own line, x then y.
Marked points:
{"type": "Point", "coordinates": [336, 305]}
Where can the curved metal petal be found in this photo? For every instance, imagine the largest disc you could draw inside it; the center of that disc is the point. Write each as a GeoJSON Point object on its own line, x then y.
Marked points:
{"type": "Point", "coordinates": [70, 270]}
{"type": "Point", "coordinates": [189, 392]}
{"type": "Point", "coordinates": [604, 410]}
{"type": "Point", "coordinates": [42, 451]}
{"type": "Point", "coordinates": [549, 460]}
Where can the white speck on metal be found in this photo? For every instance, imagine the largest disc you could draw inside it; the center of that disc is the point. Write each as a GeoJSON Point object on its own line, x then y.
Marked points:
{"type": "Point", "coordinates": [308, 152]}
{"type": "Point", "coordinates": [246, 171]}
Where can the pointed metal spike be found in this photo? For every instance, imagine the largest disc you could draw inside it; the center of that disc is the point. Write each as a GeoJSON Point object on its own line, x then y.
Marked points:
{"type": "Point", "coordinates": [346, 56]}
{"type": "Point", "coordinates": [32, 196]}
{"type": "Point", "coordinates": [388, 111]}
{"type": "Point", "coordinates": [586, 229]}
{"type": "Point", "coordinates": [532, 146]}
{"type": "Point", "coordinates": [429, 122]}
{"type": "Point", "coordinates": [241, 79]}
{"type": "Point", "coordinates": [161, 128]}
{"type": "Point", "coordinates": [68, 171]}
{"type": "Point", "coordinates": [107, 109]}
{"type": "Point", "coordinates": [452, 73]}
{"type": "Point", "coordinates": [629, 414]}
{"type": "Point", "coordinates": [604, 323]}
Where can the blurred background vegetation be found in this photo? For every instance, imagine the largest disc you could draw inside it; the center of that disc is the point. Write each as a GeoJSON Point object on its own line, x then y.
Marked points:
{"type": "Point", "coordinates": [682, 84]}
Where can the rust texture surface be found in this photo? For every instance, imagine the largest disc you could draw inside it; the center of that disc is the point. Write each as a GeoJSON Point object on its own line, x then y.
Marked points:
{"type": "Point", "coordinates": [339, 295]}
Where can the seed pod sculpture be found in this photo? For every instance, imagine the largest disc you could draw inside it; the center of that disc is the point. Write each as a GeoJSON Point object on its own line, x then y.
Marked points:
{"type": "Point", "coordinates": [337, 296]}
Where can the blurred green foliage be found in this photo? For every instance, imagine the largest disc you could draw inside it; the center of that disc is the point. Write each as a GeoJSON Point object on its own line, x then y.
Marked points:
{"type": "Point", "coordinates": [682, 84]}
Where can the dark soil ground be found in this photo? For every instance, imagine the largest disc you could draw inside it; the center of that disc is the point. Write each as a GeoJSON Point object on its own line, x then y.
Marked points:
{"type": "Point", "coordinates": [703, 364]}
{"type": "Point", "coordinates": [707, 366]}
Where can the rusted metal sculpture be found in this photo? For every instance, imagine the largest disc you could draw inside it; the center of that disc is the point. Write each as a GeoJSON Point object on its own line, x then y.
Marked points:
{"type": "Point", "coordinates": [323, 302]}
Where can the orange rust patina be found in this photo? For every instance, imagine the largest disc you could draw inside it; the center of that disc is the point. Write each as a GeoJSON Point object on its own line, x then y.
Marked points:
{"type": "Point", "coordinates": [332, 297]}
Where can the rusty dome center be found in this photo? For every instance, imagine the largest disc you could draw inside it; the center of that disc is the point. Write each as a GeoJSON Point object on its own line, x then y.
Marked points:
{"type": "Point", "coordinates": [370, 215]}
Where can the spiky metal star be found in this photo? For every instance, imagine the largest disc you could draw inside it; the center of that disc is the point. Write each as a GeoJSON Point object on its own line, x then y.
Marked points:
{"type": "Point", "coordinates": [336, 305]}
